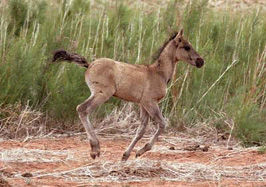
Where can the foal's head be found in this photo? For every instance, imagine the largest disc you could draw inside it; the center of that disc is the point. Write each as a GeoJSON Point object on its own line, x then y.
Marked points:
{"type": "Point", "coordinates": [185, 52]}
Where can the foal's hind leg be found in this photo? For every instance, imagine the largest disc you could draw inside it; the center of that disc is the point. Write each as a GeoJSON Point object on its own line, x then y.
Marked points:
{"type": "Point", "coordinates": [84, 110]}
{"type": "Point", "coordinates": [144, 116]}
{"type": "Point", "coordinates": [155, 113]}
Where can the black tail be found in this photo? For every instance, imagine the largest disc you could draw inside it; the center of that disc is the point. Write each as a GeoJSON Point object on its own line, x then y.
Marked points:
{"type": "Point", "coordinates": [62, 55]}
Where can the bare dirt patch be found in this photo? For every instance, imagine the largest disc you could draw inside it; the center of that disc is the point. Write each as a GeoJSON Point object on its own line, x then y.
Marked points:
{"type": "Point", "coordinates": [65, 161]}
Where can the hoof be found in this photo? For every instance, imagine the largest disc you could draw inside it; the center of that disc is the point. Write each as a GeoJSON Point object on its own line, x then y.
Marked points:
{"type": "Point", "coordinates": [95, 154]}
{"type": "Point", "coordinates": [124, 157]}
{"type": "Point", "coordinates": [143, 150]}
{"type": "Point", "coordinates": [138, 154]}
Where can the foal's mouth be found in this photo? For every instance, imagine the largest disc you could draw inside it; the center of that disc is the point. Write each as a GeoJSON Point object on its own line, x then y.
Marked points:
{"type": "Point", "coordinates": [199, 62]}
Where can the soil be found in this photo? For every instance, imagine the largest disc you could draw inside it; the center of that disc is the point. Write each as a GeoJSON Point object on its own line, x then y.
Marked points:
{"type": "Point", "coordinates": [65, 161]}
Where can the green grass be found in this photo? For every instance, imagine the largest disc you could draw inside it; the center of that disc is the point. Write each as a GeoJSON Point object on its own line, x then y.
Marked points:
{"type": "Point", "coordinates": [32, 30]}
{"type": "Point", "coordinates": [262, 150]}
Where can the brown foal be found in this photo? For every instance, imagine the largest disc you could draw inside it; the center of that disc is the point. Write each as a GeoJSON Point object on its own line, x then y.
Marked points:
{"type": "Point", "coordinates": [142, 84]}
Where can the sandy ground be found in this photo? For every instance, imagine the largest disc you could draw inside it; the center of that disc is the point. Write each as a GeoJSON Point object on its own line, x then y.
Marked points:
{"type": "Point", "coordinates": [65, 161]}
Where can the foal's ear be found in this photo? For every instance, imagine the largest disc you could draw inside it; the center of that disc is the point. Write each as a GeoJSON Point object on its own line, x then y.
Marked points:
{"type": "Point", "coordinates": [179, 36]}
{"type": "Point", "coordinates": [181, 32]}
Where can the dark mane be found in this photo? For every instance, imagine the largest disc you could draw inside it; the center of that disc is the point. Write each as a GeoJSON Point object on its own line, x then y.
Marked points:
{"type": "Point", "coordinates": [156, 55]}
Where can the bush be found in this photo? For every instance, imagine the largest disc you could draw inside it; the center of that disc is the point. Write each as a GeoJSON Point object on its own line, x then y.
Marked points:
{"type": "Point", "coordinates": [32, 30]}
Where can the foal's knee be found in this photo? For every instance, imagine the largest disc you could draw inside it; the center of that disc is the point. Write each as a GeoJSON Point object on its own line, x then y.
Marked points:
{"type": "Point", "coordinates": [162, 126]}
{"type": "Point", "coordinates": [81, 109]}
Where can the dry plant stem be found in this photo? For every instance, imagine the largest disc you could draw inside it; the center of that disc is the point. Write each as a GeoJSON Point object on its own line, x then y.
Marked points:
{"type": "Point", "coordinates": [231, 131]}
{"type": "Point", "coordinates": [181, 91]}
{"type": "Point", "coordinates": [227, 155]}
{"type": "Point", "coordinates": [63, 172]}
{"type": "Point", "coordinates": [169, 142]}
{"type": "Point", "coordinates": [20, 120]}
{"type": "Point", "coordinates": [219, 78]}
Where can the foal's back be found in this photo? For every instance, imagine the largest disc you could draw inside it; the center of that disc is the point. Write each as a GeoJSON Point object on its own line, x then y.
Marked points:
{"type": "Point", "coordinates": [125, 81]}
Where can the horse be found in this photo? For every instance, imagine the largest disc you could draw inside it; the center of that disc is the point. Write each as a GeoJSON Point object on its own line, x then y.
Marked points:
{"type": "Point", "coordinates": [145, 85]}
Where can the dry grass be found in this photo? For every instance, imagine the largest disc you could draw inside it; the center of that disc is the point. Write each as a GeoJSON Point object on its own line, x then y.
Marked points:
{"type": "Point", "coordinates": [24, 123]}
{"type": "Point", "coordinates": [124, 120]}
{"type": "Point", "coordinates": [19, 121]}
{"type": "Point", "coordinates": [35, 155]}
{"type": "Point", "coordinates": [141, 170]}
{"type": "Point", "coordinates": [4, 183]}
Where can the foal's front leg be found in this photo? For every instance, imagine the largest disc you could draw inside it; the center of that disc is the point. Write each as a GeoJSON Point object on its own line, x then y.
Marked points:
{"type": "Point", "coordinates": [154, 111]}
{"type": "Point", "coordinates": [144, 117]}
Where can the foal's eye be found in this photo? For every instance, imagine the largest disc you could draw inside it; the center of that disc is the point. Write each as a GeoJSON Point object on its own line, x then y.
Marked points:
{"type": "Point", "coordinates": [187, 48]}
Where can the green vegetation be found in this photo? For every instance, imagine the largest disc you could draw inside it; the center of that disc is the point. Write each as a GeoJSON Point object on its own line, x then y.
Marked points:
{"type": "Point", "coordinates": [262, 150]}
{"type": "Point", "coordinates": [231, 85]}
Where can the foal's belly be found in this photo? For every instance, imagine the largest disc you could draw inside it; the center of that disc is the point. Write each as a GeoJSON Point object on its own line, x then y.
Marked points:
{"type": "Point", "coordinates": [130, 91]}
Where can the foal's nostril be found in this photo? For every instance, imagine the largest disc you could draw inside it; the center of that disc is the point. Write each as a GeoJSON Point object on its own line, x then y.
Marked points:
{"type": "Point", "coordinates": [199, 62]}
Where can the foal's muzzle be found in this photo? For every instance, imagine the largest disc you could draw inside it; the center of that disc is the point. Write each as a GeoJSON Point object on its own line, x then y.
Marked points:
{"type": "Point", "coordinates": [199, 62]}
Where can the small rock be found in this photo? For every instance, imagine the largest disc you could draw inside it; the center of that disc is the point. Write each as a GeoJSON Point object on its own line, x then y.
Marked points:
{"type": "Point", "coordinates": [172, 148]}
{"type": "Point", "coordinates": [205, 149]}
{"type": "Point", "coordinates": [27, 175]}
{"type": "Point", "coordinates": [230, 148]}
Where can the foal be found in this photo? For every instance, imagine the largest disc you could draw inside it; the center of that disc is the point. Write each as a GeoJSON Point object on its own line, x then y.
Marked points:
{"type": "Point", "coordinates": [142, 84]}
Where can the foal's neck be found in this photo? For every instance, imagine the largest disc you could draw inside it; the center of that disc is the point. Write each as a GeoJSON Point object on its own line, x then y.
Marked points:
{"type": "Point", "coordinates": [165, 64]}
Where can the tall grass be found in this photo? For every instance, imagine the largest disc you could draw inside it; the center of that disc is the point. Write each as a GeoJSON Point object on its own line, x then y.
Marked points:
{"type": "Point", "coordinates": [231, 85]}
